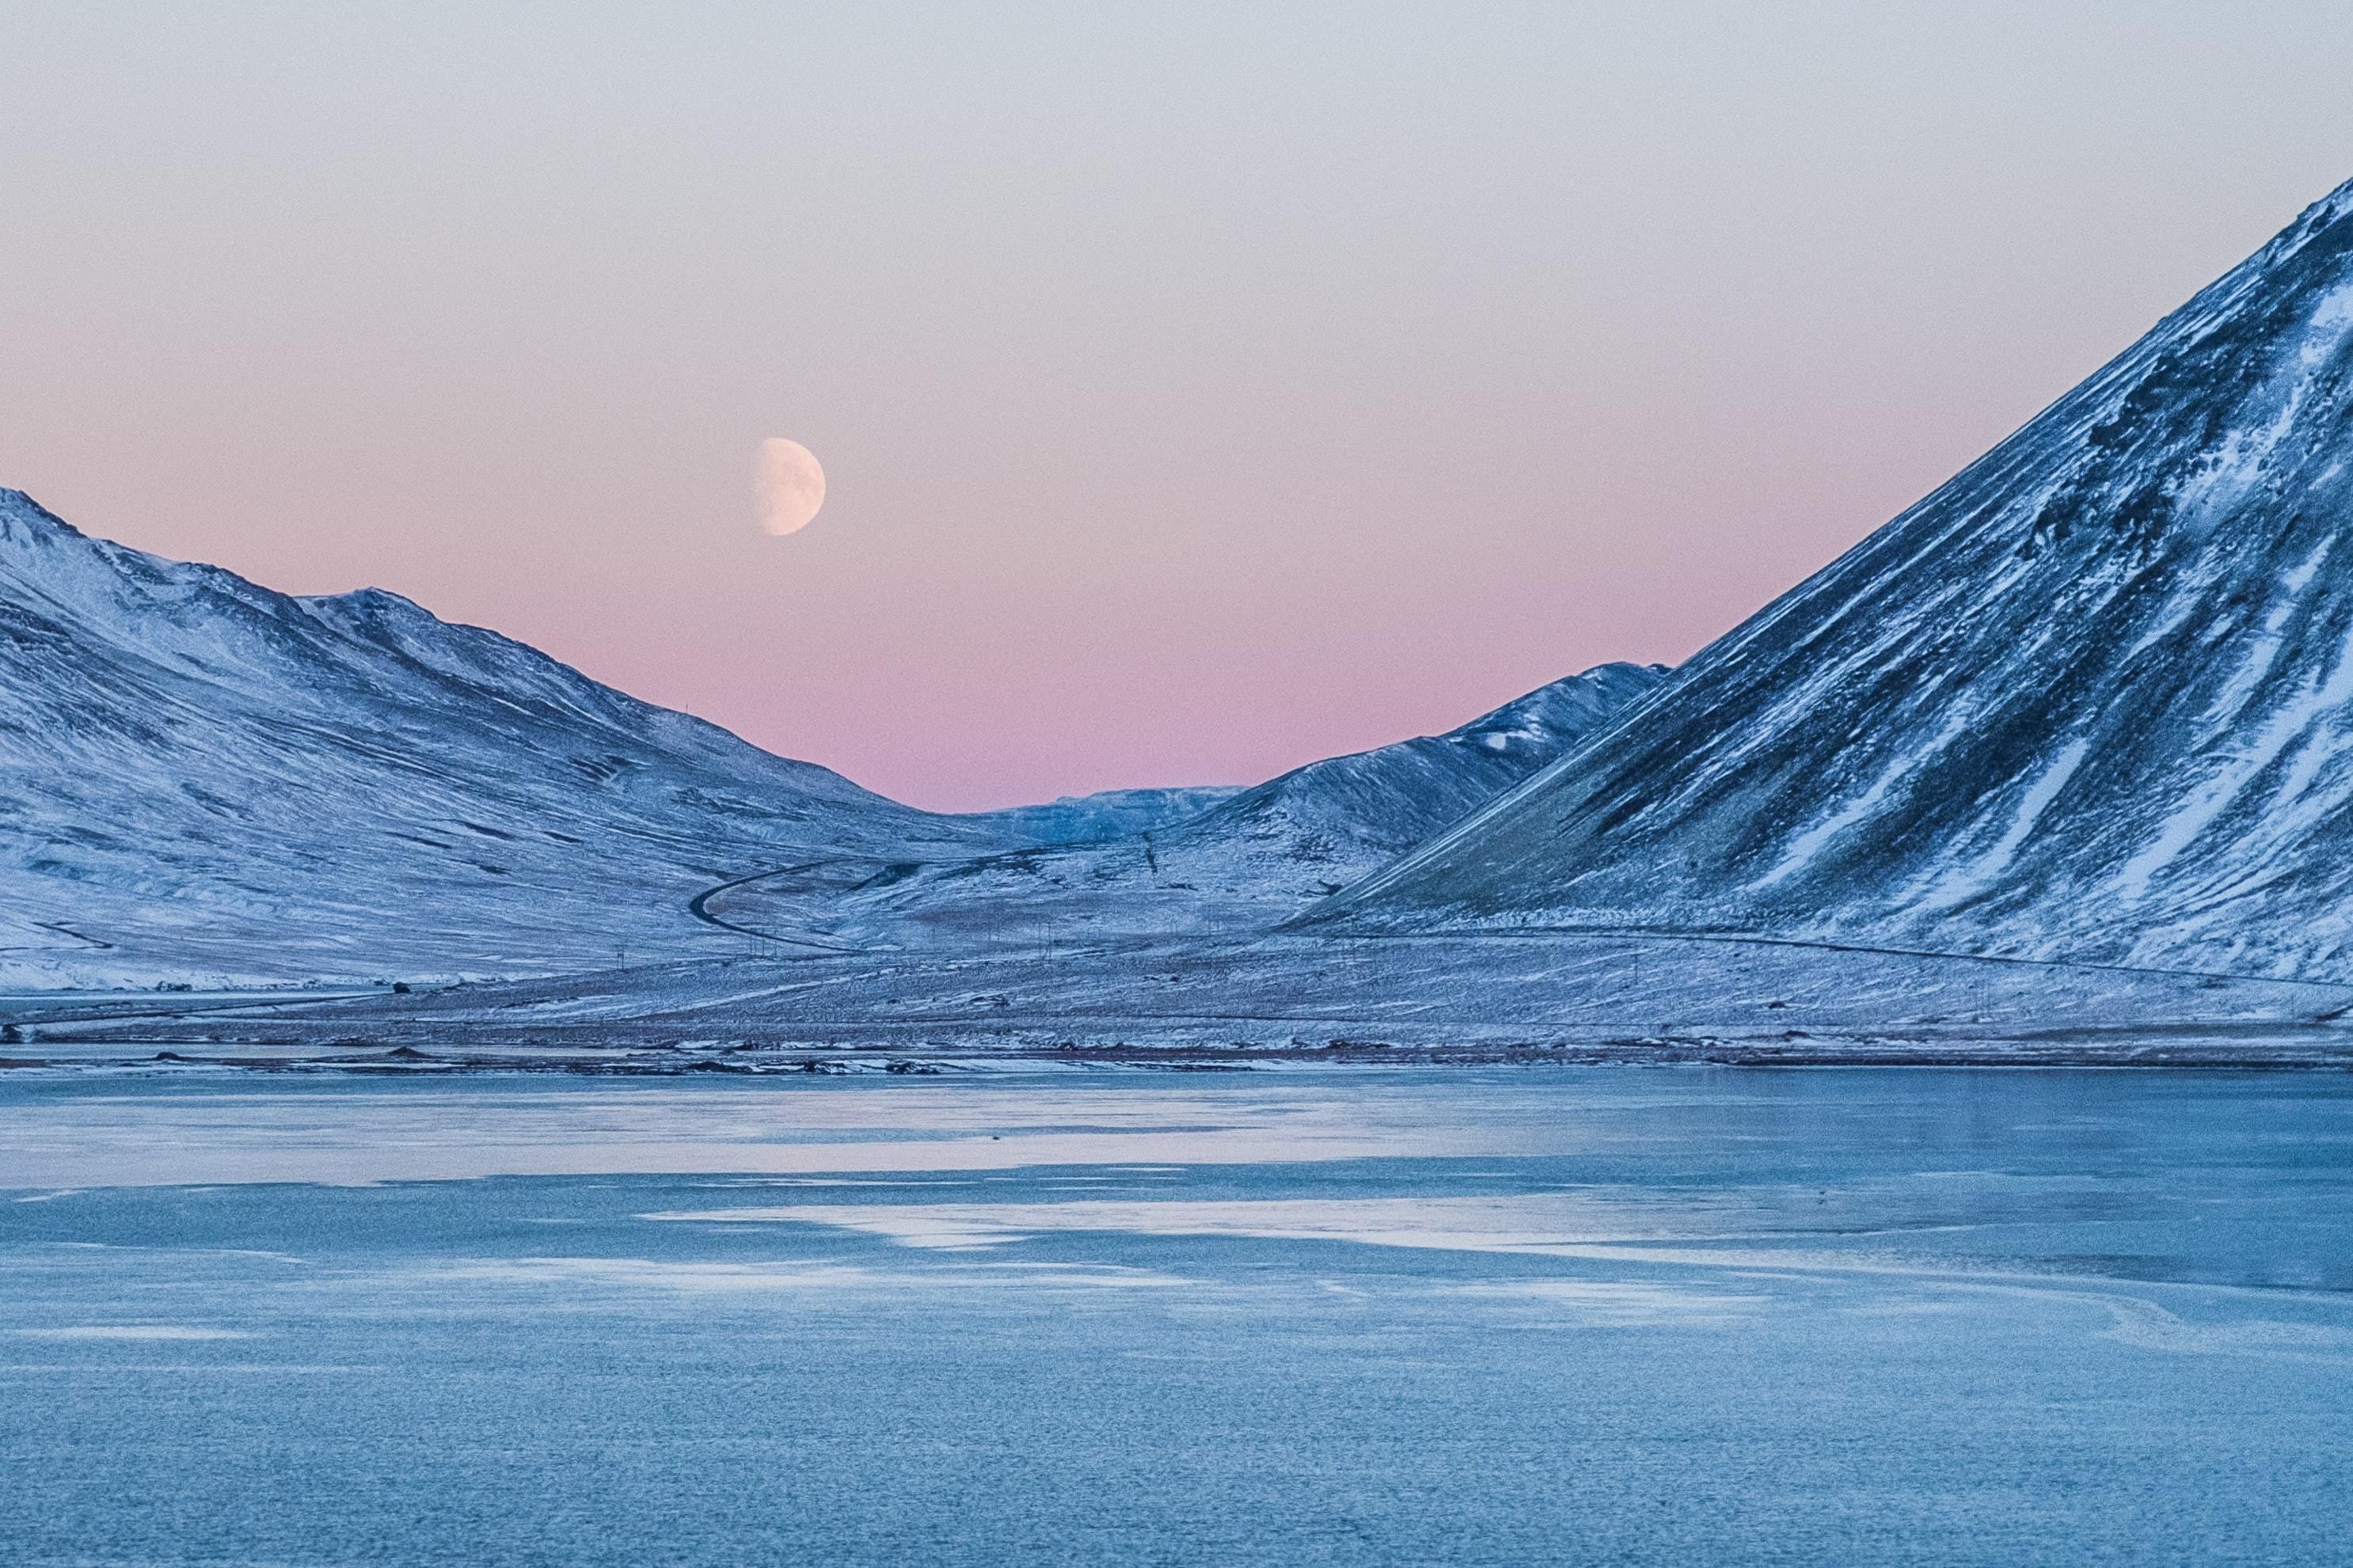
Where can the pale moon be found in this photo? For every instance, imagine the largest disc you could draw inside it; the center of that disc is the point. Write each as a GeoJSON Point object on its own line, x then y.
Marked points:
{"type": "Point", "coordinates": [792, 485]}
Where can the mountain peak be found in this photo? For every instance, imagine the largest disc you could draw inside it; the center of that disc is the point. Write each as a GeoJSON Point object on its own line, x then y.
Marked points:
{"type": "Point", "coordinates": [2338, 204]}
{"type": "Point", "coordinates": [24, 519]}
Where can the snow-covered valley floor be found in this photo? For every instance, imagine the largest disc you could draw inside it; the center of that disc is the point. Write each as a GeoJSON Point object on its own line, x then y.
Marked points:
{"type": "Point", "coordinates": [1255, 1002]}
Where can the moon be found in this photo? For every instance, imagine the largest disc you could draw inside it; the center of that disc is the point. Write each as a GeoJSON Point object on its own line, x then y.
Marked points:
{"type": "Point", "coordinates": [792, 485]}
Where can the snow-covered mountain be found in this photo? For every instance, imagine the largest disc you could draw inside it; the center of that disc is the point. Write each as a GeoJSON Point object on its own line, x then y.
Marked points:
{"type": "Point", "coordinates": [2093, 698]}
{"type": "Point", "coordinates": [203, 780]}
{"type": "Point", "coordinates": [1251, 859]}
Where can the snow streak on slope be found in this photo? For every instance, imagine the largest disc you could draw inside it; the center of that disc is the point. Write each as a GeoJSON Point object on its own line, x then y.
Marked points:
{"type": "Point", "coordinates": [201, 779]}
{"type": "Point", "coordinates": [2093, 698]}
{"type": "Point", "coordinates": [1249, 862]}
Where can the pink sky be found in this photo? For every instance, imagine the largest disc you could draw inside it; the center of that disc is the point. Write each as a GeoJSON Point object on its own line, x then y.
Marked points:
{"type": "Point", "coordinates": [1197, 396]}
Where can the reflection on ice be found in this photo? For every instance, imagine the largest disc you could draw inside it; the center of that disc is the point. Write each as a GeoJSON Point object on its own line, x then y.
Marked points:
{"type": "Point", "coordinates": [709, 1278]}
{"type": "Point", "coordinates": [334, 1134]}
{"type": "Point", "coordinates": [1608, 1303]}
{"type": "Point", "coordinates": [2148, 1326]}
{"type": "Point", "coordinates": [1557, 1224]}
{"type": "Point", "coordinates": [131, 1331]}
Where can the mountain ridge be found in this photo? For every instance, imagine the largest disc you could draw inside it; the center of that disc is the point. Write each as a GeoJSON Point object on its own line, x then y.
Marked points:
{"type": "Point", "coordinates": [206, 776]}
{"type": "Point", "coordinates": [2087, 700]}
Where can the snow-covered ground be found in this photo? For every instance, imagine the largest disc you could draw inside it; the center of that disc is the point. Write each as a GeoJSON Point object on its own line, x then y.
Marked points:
{"type": "Point", "coordinates": [1286, 997]}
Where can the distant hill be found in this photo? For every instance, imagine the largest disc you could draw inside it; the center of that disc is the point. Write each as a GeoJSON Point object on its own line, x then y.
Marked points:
{"type": "Point", "coordinates": [1105, 815]}
{"type": "Point", "coordinates": [1257, 857]}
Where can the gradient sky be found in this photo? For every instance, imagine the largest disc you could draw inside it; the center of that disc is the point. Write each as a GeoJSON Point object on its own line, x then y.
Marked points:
{"type": "Point", "coordinates": [1202, 388]}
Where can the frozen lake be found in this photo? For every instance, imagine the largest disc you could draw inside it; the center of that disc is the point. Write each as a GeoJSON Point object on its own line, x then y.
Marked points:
{"type": "Point", "coordinates": [1544, 1315]}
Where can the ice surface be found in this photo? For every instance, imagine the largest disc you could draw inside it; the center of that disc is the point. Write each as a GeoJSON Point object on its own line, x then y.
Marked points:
{"type": "Point", "coordinates": [1687, 1316]}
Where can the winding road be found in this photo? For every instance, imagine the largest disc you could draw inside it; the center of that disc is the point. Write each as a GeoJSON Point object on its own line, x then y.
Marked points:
{"type": "Point", "coordinates": [700, 905]}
